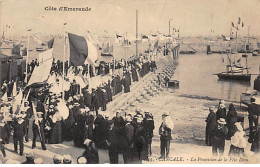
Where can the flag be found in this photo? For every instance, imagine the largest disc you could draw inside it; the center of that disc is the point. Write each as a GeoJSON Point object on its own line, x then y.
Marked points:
{"type": "Point", "coordinates": [118, 36]}
{"type": "Point", "coordinates": [5, 98]}
{"type": "Point", "coordinates": [42, 72]}
{"type": "Point", "coordinates": [24, 52]}
{"type": "Point", "coordinates": [50, 43]}
{"type": "Point", "coordinates": [16, 50]}
{"type": "Point", "coordinates": [144, 37]}
{"type": "Point", "coordinates": [14, 89]}
{"type": "Point", "coordinates": [156, 44]}
{"type": "Point", "coordinates": [92, 54]}
{"type": "Point", "coordinates": [239, 20]}
{"type": "Point", "coordinates": [78, 49]}
{"type": "Point", "coordinates": [232, 24]}
{"type": "Point", "coordinates": [17, 102]}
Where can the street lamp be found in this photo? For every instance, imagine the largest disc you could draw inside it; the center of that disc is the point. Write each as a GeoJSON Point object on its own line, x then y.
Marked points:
{"type": "Point", "coordinates": [170, 26]}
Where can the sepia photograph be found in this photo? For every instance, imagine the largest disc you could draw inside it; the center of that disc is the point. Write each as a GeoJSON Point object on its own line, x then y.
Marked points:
{"type": "Point", "coordinates": [129, 82]}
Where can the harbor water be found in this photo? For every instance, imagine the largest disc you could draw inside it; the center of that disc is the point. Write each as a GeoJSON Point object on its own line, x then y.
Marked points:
{"type": "Point", "coordinates": [195, 74]}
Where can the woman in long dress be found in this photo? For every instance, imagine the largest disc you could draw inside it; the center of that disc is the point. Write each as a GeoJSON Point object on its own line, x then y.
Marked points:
{"type": "Point", "coordinates": [56, 135]}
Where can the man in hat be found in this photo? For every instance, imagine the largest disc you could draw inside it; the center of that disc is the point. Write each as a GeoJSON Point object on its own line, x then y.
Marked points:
{"type": "Point", "coordinates": [149, 127]}
{"type": "Point", "coordinates": [118, 120]}
{"type": "Point", "coordinates": [219, 136]}
{"type": "Point", "coordinates": [129, 128]}
{"type": "Point", "coordinates": [253, 111]}
{"type": "Point", "coordinates": [19, 127]}
{"type": "Point", "coordinates": [74, 88]}
{"type": "Point", "coordinates": [112, 143]}
{"type": "Point", "coordinates": [211, 125]}
{"type": "Point", "coordinates": [95, 103]}
{"type": "Point", "coordinates": [28, 112]}
{"type": "Point", "coordinates": [87, 97]}
{"type": "Point", "coordinates": [38, 129]}
{"type": "Point", "coordinates": [165, 135]}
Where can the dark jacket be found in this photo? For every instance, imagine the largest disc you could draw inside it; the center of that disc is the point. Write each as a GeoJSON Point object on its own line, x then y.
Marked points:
{"type": "Point", "coordinates": [19, 129]}
{"type": "Point", "coordinates": [165, 133]}
{"type": "Point", "coordinates": [219, 136]}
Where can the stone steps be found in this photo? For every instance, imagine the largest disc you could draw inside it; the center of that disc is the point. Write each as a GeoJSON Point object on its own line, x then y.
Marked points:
{"type": "Point", "coordinates": [142, 90]}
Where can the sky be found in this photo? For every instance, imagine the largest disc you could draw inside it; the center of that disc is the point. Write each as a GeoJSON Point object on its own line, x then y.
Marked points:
{"type": "Point", "coordinates": [192, 17]}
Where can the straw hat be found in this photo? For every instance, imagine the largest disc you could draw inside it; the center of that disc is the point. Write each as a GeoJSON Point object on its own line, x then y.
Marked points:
{"type": "Point", "coordinates": [67, 159]}
{"type": "Point", "coordinates": [82, 160]}
{"type": "Point", "coordinates": [221, 121]}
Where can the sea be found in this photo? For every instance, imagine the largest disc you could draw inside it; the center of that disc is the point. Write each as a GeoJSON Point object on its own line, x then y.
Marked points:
{"type": "Point", "coordinates": [196, 75]}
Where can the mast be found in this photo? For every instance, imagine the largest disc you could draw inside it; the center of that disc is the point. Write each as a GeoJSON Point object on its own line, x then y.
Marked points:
{"type": "Point", "coordinates": [27, 55]}
{"type": "Point", "coordinates": [136, 32]}
{"type": "Point", "coordinates": [64, 52]}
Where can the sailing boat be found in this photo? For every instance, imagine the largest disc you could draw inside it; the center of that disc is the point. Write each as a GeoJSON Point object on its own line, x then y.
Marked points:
{"type": "Point", "coordinates": [234, 71]}
{"type": "Point", "coordinates": [107, 49]}
{"type": "Point", "coordinates": [126, 43]}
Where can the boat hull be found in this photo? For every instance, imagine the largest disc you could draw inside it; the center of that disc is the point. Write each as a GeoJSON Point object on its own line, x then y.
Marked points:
{"type": "Point", "coordinates": [238, 77]}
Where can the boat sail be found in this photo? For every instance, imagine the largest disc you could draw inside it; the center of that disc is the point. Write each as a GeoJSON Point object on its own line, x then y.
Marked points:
{"type": "Point", "coordinates": [234, 70]}
{"type": "Point", "coordinates": [126, 42]}
{"type": "Point", "coordinates": [107, 49]}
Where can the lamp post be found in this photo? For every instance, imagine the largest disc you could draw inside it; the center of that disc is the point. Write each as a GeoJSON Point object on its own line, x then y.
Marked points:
{"type": "Point", "coordinates": [170, 26]}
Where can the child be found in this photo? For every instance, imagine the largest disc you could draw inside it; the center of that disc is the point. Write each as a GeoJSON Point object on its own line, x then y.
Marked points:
{"type": "Point", "coordinates": [238, 141]}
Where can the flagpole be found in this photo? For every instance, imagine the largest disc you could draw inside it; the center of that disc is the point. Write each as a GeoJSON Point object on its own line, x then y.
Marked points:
{"type": "Point", "coordinates": [27, 55]}
{"type": "Point", "coordinates": [136, 32]}
{"type": "Point", "coordinates": [68, 52]}
{"type": "Point", "coordinates": [63, 68]}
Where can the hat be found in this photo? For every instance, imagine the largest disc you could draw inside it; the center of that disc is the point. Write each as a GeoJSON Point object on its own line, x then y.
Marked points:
{"type": "Point", "coordinates": [212, 108]}
{"type": "Point", "coordinates": [57, 158]}
{"type": "Point", "coordinates": [166, 113]}
{"type": "Point", "coordinates": [87, 142]}
{"type": "Point", "coordinates": [81, 160]}
{"type": "Point", "coordinates": [128, 119]}
{"type": "Point", "coordinates": [222, 101]}
{"type": "Point", "coordinates": [38, 161]}
{"type": "Point", "coordinates": [30, 154]}
{"type": "Point", "coordinates": [239, 127]}
{"type": "Point", "coordinates": [222, 105]}
{"type": "Point", "coordinates": [76, 104]}
{"type": "Point", "coordinates": [51, 106]}
{"type": "Point", "coordinates": [222, 121]}
{"type": "Point", "coordinates": [67, 159]}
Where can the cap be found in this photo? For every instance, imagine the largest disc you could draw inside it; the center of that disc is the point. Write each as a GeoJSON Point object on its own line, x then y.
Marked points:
{"type": "Point", "coordinates": [57, 157]}
{"type": "Point", "coordinates": [67, 159]}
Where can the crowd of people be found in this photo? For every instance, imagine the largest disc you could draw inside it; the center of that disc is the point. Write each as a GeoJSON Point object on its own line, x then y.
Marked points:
{"type": "Point", "coordinates": [223, 124]}
{"type": "Point", "coordinates": [81, 117]}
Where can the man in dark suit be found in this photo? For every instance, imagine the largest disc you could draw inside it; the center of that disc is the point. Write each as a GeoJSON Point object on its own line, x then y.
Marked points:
{"type": "Point", "coordinates": [19, 127]}
{"type": "Point", "coordinates": [112, 143]}
{"type": "Point", "coordinates": [211, 125]}
{"type": "Point", "coordinates": [129, 128]}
